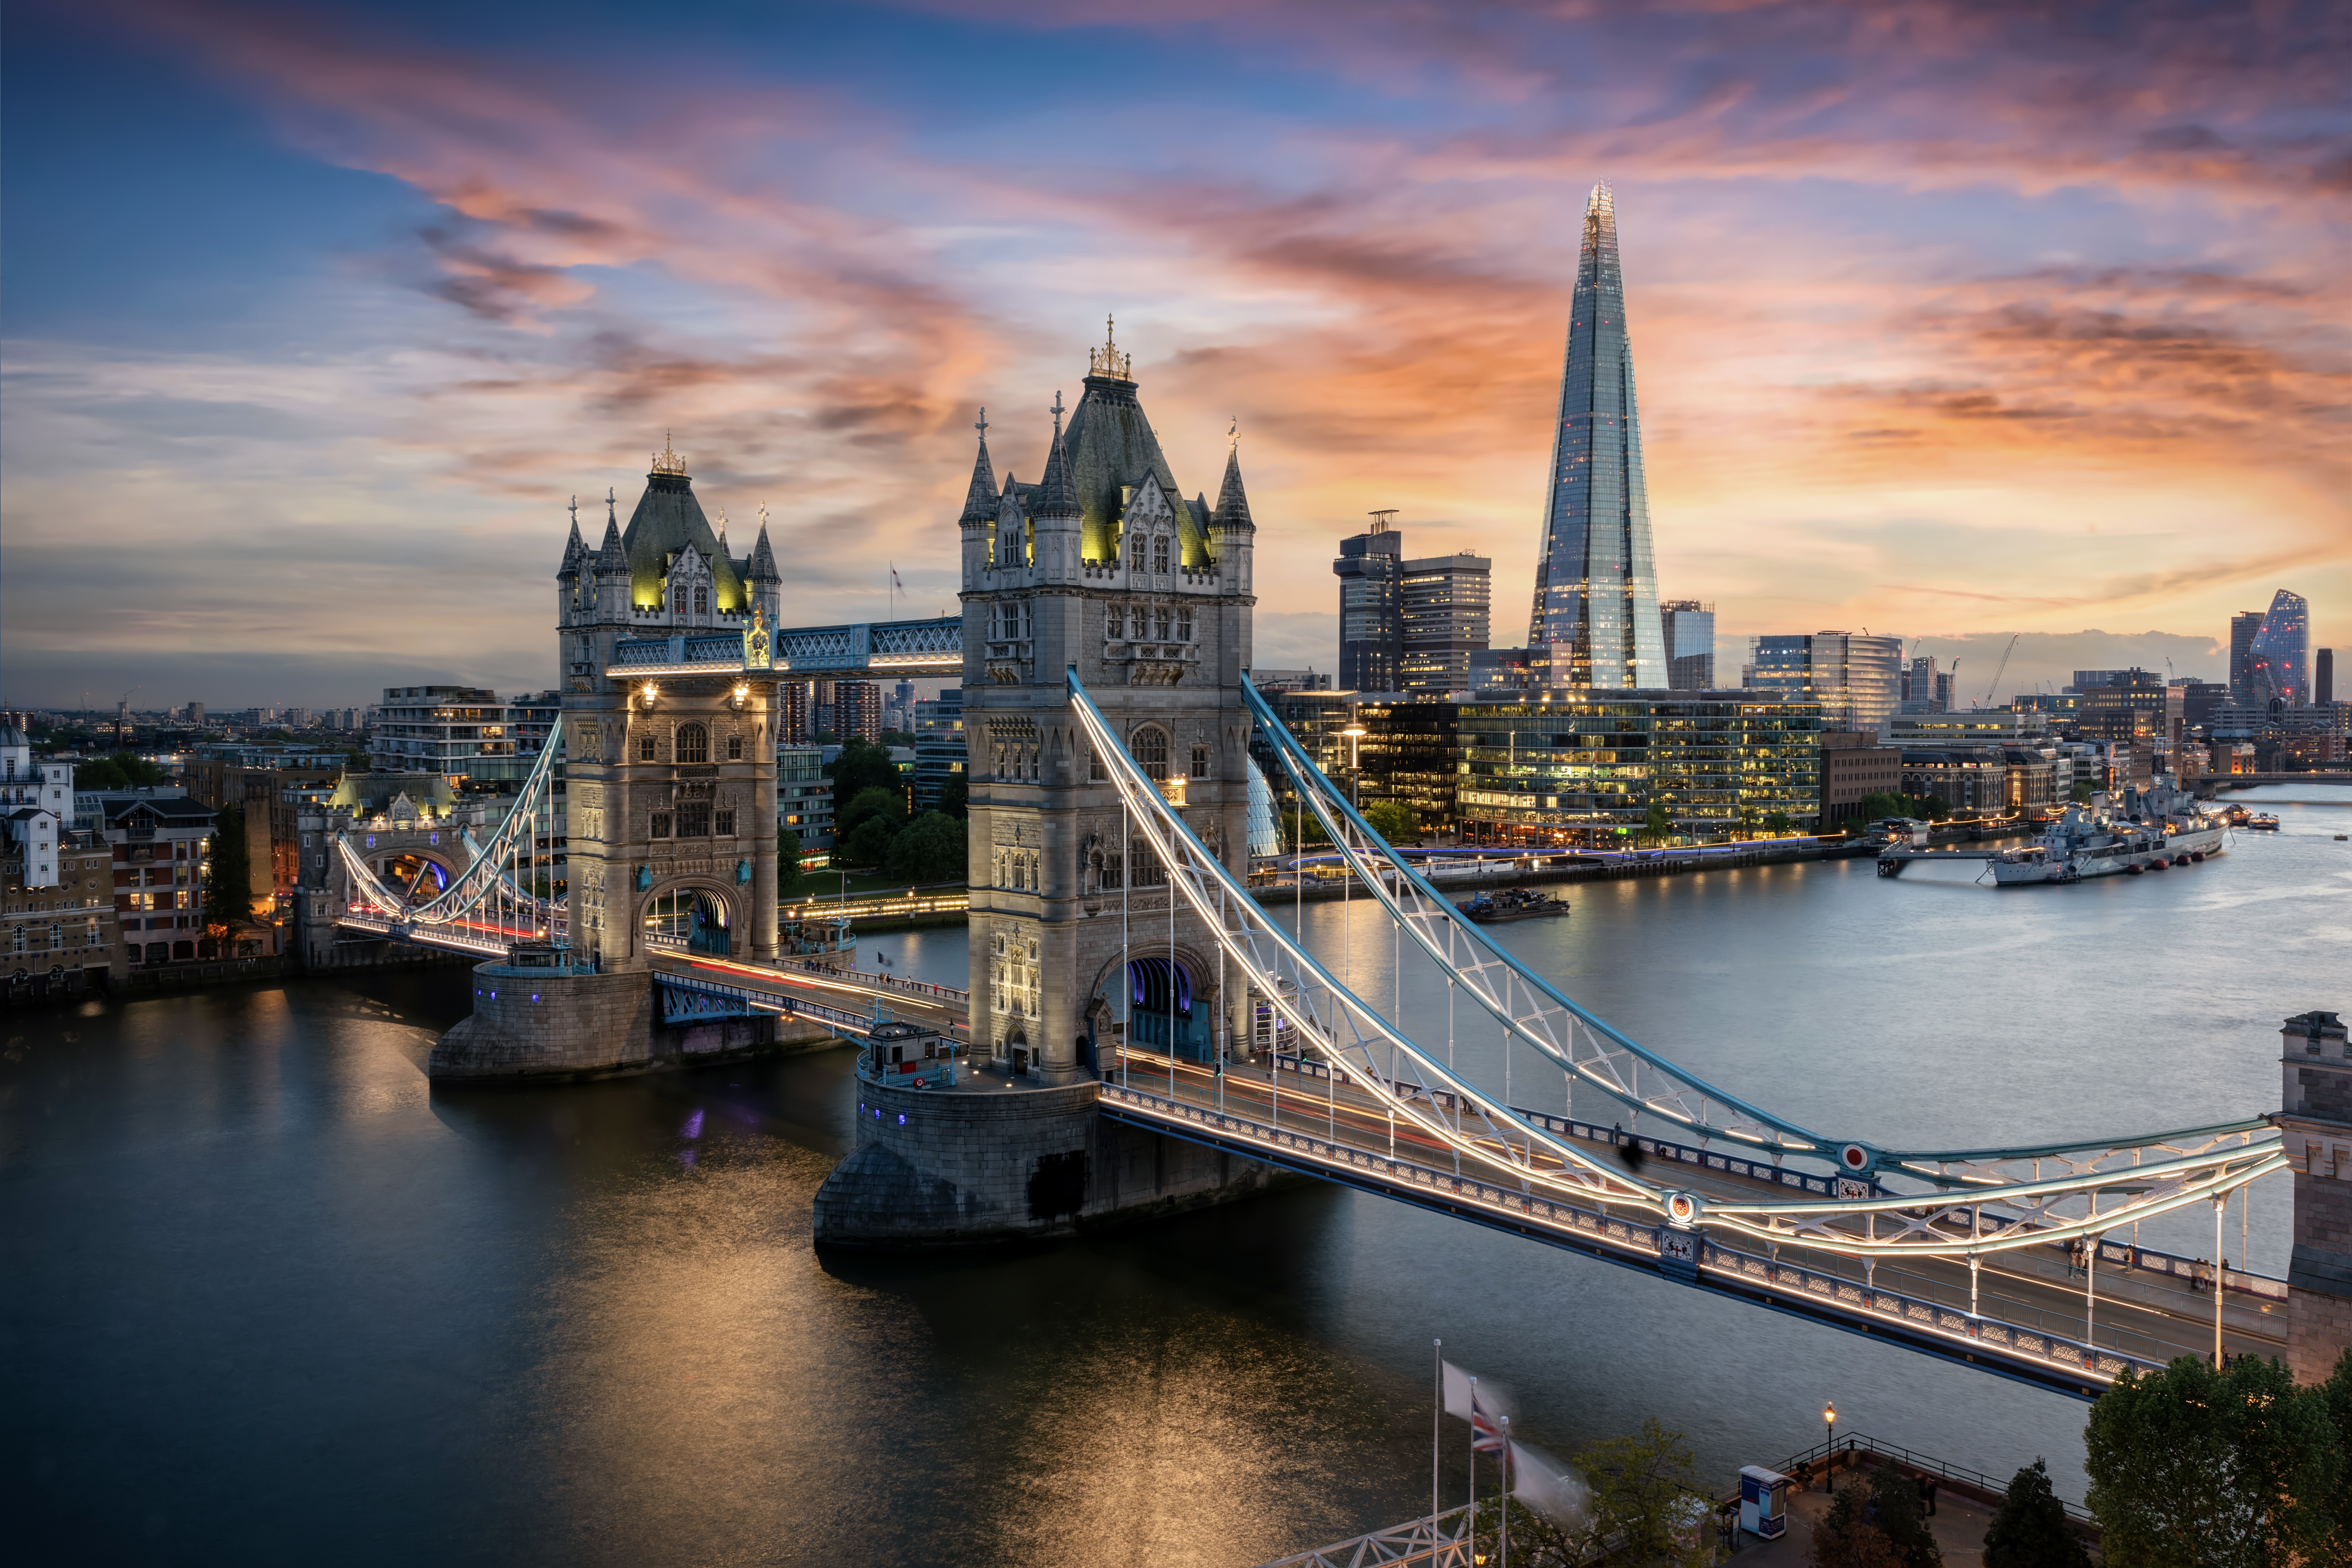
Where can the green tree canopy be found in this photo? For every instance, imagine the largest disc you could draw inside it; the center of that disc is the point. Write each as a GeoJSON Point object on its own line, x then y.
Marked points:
{"type": "Point", "coordinates": [1779, 822]}
{"type": "Point", "coordinates": [1656, 824]}
{"type": "Point", "coordinates": [862, 766]}
{"type": "Point", "coordinates": [123, 770]}
{"type": "Point", "coordinates": [2194, 1468]}
{"type": "Point", "coordinates": [1848, 1537]}
{"type": "Point", "coordinates": [1642, 1505]}
{"type": "Point", "coordinates": [228, 879]}
{"type": "Point", "coordinates": [788, 862]}
{"type": "Point", "coordinates": [2030, 1529]}
{"type": "Point", "coordinates": [928, 850]}
{"type": "Point", "coordinates": [955, 796]}
{"type": "Point", "coordinates": [866, 804]}
{"type": "Point", "coordinates": [1393, 820]}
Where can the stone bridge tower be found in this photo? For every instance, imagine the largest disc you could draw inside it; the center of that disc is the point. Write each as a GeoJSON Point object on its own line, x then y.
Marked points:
{"type": "Point", "coordinates": [671, 807]}
{"type": "Point", "coordinates": [1101, 564]}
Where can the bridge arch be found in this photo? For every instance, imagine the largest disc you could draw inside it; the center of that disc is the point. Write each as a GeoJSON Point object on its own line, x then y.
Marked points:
{"type": "Point", "coordinates": [708, 913]}
{"type": "Point", "coordinates": [1136, 987]}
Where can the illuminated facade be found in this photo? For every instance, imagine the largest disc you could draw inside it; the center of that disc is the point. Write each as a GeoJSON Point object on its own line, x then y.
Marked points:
{"type": "Point", "coordinates": [1596, 600]}
{"type": "Point", "coordinates": [1371, 569]}
{"type": "Point", "coordinates": [1447, 618]}
{"type": "Point", "coordinates": [1583, 767]}
{"type": "Point", "coordinates": [1855, 677]}
{"type": "Point", "coordinates": [2278, 659]}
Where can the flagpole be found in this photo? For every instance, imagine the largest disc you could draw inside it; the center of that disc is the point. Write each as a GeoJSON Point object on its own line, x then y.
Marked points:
{"type": "Point", "coordinates": [1473, 1466]}
{"type": "Point", "coordinates": [1506, 1508]}
{"type": "Point", "coordinates": [1436, 1423]}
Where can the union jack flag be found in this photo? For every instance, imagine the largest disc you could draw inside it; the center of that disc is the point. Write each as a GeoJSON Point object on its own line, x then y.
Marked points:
{"type": "Point", "coordinates": [1481, 1407]}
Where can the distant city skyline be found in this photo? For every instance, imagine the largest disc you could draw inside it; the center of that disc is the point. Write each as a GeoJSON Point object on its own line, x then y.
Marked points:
{"type": "Point", "coordinates": [1957, 337]}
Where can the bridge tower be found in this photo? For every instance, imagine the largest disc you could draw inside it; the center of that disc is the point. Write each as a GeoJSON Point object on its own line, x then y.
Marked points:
{"type": "Point", "coordinates": [2314, 1122]}
{"type": "Point", "coordinates": [1101, 564]}
{"type": "Point", "coordinates": [671, 779]}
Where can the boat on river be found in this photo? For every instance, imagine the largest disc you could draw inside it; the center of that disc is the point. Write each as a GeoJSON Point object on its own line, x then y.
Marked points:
{"type": "Point", "coordinates": [1511, 904]}
{"type": "Point", "coordinates": [2263, 822]}
{"type": "Point", "coordinates": [2147, 830]}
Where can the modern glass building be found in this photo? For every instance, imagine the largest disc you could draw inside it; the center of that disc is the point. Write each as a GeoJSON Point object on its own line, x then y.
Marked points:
{"type": "Point", "coordinates": [1410, 754]}
{"type": "Point", "coordinates": [1690, 643]}
{"type": "Point", "coordinates": [939, 744]}
{"type": "Point", "coordinates": [2243, 627]}
{"type": "Point", "coordinates": [1582, 768]}
{"type": "Point", "coordinates": [2278, 659]}
{"type": "Point", "coordinates": [1446, 619]}
{"type": "Point", "coordinates": [1855, 677]}
{"type": "Point", "coordinates": [1371, 570]}
{"type": "Point", "coordinates": [1596, 600]}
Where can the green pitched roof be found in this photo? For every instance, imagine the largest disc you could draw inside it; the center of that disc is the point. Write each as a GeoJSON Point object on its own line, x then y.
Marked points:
{"type": "Point", "coordinates": [667, 520]}
{"type": "Point", "coordinates": [1111, 446]}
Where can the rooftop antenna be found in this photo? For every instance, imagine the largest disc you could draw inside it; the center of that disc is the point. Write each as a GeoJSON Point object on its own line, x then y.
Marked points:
{"type": "Point", "coordinates": [1381, 523]}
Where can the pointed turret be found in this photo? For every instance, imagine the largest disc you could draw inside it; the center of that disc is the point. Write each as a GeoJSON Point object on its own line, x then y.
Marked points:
{"type": "Point", "coordinates": [980, 498]}
{"type": "Point", "coordinates": [612, 557]}
{"type": "Point", "coordinates": [574, 551]}
{"type": "Point", "coordinates": [1233, 511]}
{"type": "Point", "coordinates": [763, 560]}
{"type": "Point", "coordinates": [1054, 496]}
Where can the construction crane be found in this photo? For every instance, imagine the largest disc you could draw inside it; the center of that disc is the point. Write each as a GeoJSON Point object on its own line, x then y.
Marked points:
{"type": "Point", "coordinates": [2002, 669]}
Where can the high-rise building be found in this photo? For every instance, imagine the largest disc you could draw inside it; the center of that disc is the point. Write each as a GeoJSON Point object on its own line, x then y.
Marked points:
{"type": "Point", "coordinates": [1690, 644]}
{"type": "Point", "coordinates": [2278, 661]}
{"type": "Point", "coordinates": [1926, 689]}
{"type": "Point", "coordinates": [2243, 627]}
{"type": "Point", "coordinates": [1596, 599]}
{"type": "Point", "coordinates": [2322, 677]}
{"type": "Point", "coordinates": [195, 713]}
{"type": "Point", "coordinates": [1854, 677]}
{"type": "Point", "coordinates": [1446, 619]}
{"type": "Point", "coordinates": [939, 752]}
{"type": "Point", "coordinates": [1371, 570]}
{"type": "Point", "coordinates": [857, 710]}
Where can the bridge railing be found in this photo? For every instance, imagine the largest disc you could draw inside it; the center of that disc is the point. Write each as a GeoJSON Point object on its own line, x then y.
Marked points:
{"type": "Point", "coordinates": [1547, 1215]}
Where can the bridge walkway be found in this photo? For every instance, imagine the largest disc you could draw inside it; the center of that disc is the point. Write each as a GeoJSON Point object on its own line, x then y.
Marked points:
{"type": "Point", "coordinates": [2025, 1302]}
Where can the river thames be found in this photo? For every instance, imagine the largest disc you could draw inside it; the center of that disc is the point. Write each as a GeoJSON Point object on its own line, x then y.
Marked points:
{"type": "Point", "coordinates": [268, 1296]}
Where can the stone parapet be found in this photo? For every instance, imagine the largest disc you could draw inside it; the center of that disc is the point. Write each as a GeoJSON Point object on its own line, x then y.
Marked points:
{"type": "Point", "coordinates": [971, 1166]}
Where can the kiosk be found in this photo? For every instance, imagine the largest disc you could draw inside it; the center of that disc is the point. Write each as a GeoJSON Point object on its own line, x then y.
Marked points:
{"type": "Point", "coordinates": [1763, 1502]}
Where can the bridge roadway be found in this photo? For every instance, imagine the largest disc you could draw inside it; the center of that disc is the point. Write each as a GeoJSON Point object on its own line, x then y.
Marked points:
{"type": "Point", "coordinates": [942, 1007]}
{"type": "Point", "coordinates": [2030, 1319]}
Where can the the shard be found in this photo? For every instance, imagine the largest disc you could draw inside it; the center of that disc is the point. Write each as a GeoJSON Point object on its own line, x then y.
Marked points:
{"type": "Point", "coordinates": [1596, 602]}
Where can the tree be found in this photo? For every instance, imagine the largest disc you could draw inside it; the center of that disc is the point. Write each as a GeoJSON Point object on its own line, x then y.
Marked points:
{"type": "Point", "coordinates": [2191, 1467]}
{"type": "Point", "coordinates": [1895, 1511]}
{"type": "Point", "coordinates": [1642, 1505]}
{"type": "Point", "coordinates": [1779, 822]}
{"type": "Point", "coordinates": [2335, 1394]}
{"type": "Point", "coordinates": [123, 770]}
{"type": "Point", "coordinates": [1880, 805]}
{"type": "Point", "coordinates": [788, 862]}
{"type": "Point", "coordinates": [868, 805]}
{"type": "Point", "coordinates": [928, 850]}
{"type": "Point", "coordinates": [1393, 820]}
{"type": "Point", "coordinates": [862, 766]}
{"type": "Point", "coordinates": [955, 796]}
{"type": "Point", "coordinates": [1655, 824]}
{"type": "Point", "coordinates": [1847, 1536]}
{"type": "Point", "coordinates": [228, 877]}
{"type": "Point", "coordinates": [2029, 1530]}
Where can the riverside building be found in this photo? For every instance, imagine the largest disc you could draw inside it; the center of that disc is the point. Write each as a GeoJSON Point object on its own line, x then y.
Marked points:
{"type": "Point", "coordinates": [1690, 643]}
{"type": "Point", "coordinates": [1855, 677]}
{"type": "Point", "coordinates": [1583, 767]}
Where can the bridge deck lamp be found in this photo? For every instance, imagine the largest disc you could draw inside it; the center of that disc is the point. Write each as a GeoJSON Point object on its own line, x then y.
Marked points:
{"type": "Point", "coordinates": [743, 692]}
{"type": "Point", "coordinates": [649, 692]}
{"type": "Point", "coordinates": [1829, 1461]}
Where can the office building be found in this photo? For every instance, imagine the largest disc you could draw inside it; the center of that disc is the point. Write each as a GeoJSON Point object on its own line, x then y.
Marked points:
{"type": "Point", "coordinates": [1854, 766]}
{"type": "Point", "coordinates": [1596, 598]}
{"type": "Point", "coordinates": [2322, 677]}
{"type": "Point", "coordinates": [1690, 644]}
{"type": "Point", "coordinates": [1273, 680]}
{"type": "Point", "coordinates": [2243, 627]}
{"type": "Point", "coordinates": [1855, 677]}
{"type": "Point", "coordinates": [1445, 612]}
{"type": "Point", "coordinates": [1926, 689]}
{"type": "Point", "coordinates": [804, 794]}
{"type": "Point", "coordinates": [1583, 767]}
{"type": "Point", "coordinates": [2278, 669]}
{"type": "Point", "coordinates": [1409, 755]}
{"type": "Point", "coordinates": [2200, 702]}
{"type": "Point", "coordinates": [457, 731]}
{"type": "Point", "coordinates": [1371, 569]}
{"type": "Point", "coordinates": [1994, 727]}
{"type": "Point", "coordinates": [938, 745]}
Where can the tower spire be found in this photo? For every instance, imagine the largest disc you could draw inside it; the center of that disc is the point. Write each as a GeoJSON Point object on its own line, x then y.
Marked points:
{"type": "Point", "coordinates": [979, 497]}
{"type": "Point", "coordinates": [1054, 496]}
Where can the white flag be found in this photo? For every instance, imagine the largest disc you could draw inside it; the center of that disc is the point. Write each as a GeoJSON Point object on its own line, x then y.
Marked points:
{"type": "Point", "coordinates": [1545, 1485]}
{"type": "Point", "coordinates": [1480, 1403]}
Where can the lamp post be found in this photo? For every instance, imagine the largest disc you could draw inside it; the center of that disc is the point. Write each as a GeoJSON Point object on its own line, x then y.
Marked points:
{"type": "Point", "coordinates": [1828, 1457]}
{"type": "Point", "coordinates": [1353, 734]}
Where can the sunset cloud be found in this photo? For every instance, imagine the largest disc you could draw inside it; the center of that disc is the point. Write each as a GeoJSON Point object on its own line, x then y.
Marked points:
{"type": "Point", "coordinates": [1969, 319]}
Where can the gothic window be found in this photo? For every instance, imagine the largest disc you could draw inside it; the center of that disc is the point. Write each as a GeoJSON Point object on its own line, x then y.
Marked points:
{"type": "Point", "coordinates": [1149, 872]}
{"type": "Point", "coordinates": [693, 743]}
{"type": "Point", "coordinates": [1150, 747]}
{"type": "Point", "coordinates": [1135, 550]}
{"type": "Point", "coordinates": [694, 819]}
{"type": "Point", "coordinates": [1115, 626]}
{"type": "Point", "coordinates": [56, 936]}
{"type": "Point", "coordinates": [660, 828]}
{"type": "Point", "coordinates": [1200, 761]}
{"type": "Point", "coordinates": [678, 601]}
{"type": "Point", "coordinates": [1183, 622]}
{"type": "Point", "coordinates": [1095, 767]}
{"type": "Point", "coordinates": [702, 600]}
{"type": "Point", "coordinates": [1160, 553]}
{"type": "Point", "coordinates": [724, 824]}
{"type": "Point", "coordinates": [645, 749]}
{"type": "Point", "coordinates": [734, 748]}
{"type": "Point", "coordinates": [1160, 619]}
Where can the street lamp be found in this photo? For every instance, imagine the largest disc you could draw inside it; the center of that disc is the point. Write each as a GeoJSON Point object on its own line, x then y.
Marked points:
{"type": "Point", "coordinates": [1828, 1455]}
{"type": "Point", "coordinates": [1352, 735]}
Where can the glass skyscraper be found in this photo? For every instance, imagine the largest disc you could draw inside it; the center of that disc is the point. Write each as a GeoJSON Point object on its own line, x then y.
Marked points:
{"type": "Point", "coordinates": [1596, 601]}
{"type": "Point", "coordinates": [2278, 661]}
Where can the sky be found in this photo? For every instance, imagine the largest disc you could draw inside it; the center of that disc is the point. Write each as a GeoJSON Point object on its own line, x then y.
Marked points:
{"type": "Point", "coordinates": [1965, 322]}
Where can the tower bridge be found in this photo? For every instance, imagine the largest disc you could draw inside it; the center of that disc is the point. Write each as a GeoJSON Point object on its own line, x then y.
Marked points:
{"type": "Point", "coordinates": [1139, 1035]}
